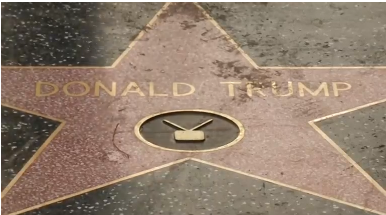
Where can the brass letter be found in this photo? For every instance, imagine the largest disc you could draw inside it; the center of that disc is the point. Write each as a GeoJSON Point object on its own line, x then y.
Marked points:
{"type": "Point", "coordinates": [136, 89]}
{"type": "Point", "coordinates": [231, 87]}
{"type": "Point", "coordinates": [175, 89]}
{"type": "Point", "coordinates": [151, 90]}
{"type": "Point", "coordinates": [38, 89]}
{"type": "Point", "coordinates": [337, 89]}
{"type": "Point", "coordinates": [290, 89]}
{"type": "Point", "coordinates": [323, 86]}
{"type": "Point", "coordinates": [99, 85]}
{"type": "Point", "coordinates": [251, 88]}
{"type": "Point", "coordinates": [86, 88]}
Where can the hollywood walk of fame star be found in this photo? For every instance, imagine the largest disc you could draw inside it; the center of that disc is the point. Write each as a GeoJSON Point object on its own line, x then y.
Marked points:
{"type": "Point", "coordinates": [279, 144]}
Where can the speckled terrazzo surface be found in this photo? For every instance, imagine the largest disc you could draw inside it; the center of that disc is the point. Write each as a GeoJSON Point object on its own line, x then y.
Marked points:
{"type": "Point", "coordinates": [70, 34]}
{"type": "Point", "coordinates": [362, 135]}
{"type": "Point", "coordinates": [183, 47]}
{"type": "Point", "coordinates": [22, 134]}
{"type": "Point", "coordinates": [306, 34]}
{"type": "Point", "coordinates": [273, 34]}
{"type": "Point", "coordinates": [195, 188]}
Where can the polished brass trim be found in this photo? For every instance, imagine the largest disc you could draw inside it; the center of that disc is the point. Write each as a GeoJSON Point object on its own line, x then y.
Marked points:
{"type": "Point", "coordinates": [38, 152]}
{"type": "Point", "coordinates": [141, 33]}
{"type": "Point", "coordinates": [253, 63]}
{"type": "Point", "coordinates": [340, 150]}
{"type": "Point", "coordinates": [116, 62]}
{"type": "Point", "coordinates": [227, 36]}
{"type": "Point", "coordinates": [349, 110]}
{"type": "Point", "coordinates": [289, 186]}
{"type": "Point", "coordinates": [197, 160]}
{"type": "Point", "coordinates": [97, 187]}
{"type": "Point", "coordinates": [212, 20]}
{"type": "Point", "coordinates": [238, 123]}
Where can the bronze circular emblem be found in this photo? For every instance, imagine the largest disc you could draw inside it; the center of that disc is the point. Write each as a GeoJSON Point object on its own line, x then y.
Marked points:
{"type": "Point", "coordinates": [189, 130]}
